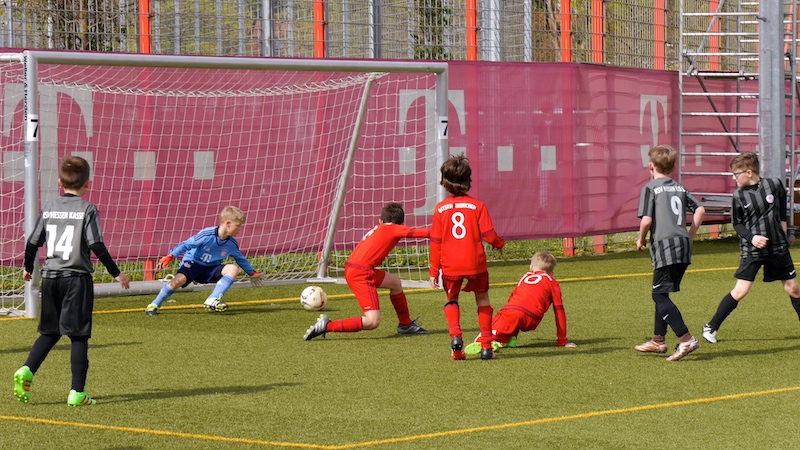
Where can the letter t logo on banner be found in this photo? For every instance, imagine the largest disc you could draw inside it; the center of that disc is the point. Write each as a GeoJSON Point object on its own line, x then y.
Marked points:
{"type": "Point", "coordinates": [653, 102]}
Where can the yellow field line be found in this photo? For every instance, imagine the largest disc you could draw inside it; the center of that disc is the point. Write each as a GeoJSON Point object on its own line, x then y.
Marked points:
{"type": "Point", "coordinates": [408, 291]}
{"type": "Point", "coordinates": [619, 276]}
{"type": "Point", "coordinates": [511, 283]}
{"type": "Point", "coordinates": [420, 437]}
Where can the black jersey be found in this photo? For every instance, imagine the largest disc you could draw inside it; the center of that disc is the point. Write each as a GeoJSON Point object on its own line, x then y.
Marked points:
{"type": "Point", "coordinates": [69, 225]}
{"type": "Point", "coordinates": [761, 208]}
{"type": "Point", "coordinates": [667, 202]}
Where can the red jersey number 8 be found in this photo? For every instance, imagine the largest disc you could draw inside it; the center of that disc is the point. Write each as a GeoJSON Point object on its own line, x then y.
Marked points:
{"type": "Point", "coordinates": [459, 230]}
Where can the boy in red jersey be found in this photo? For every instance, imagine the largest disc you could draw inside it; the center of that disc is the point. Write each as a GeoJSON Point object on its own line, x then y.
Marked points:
{"type": "Point", "coordinates": [526, 306]}
{"type": "Point", "coordinates": [364, 279]}
{"type": "Point", "coordinates": [460, 225]}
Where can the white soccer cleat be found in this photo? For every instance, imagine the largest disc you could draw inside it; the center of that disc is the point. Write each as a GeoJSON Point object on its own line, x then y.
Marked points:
{"type": "Point", "coordinates": [709, 334]}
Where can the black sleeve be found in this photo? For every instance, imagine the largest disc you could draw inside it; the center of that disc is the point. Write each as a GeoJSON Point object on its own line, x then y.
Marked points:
{"type": "Point", "coordinates": [30, 256]}
{"type": "Point", "coordinates": [100, 250]}
{"type": "Point", "coordinates": [743, 231]}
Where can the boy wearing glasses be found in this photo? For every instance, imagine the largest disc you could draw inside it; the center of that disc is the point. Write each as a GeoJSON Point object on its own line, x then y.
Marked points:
{"type": "Point", "coordinates": [758, 214]}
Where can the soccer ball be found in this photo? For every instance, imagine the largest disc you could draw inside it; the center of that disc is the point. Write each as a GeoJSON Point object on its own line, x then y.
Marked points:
{"type": "Point", "coordinates": [313, 298]}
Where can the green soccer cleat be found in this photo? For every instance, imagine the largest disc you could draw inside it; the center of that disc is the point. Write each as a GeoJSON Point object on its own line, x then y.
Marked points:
{"type": "Point", "coordinates": [473, 348]}
{"type": "Point", "coordinates": [23, 378]}
{"type": "Point", "coordinates": [512, 342]}
{"type": "Point", "coordinates": [80, 399]}
{"type": "Point", "coordinates": [152, 310]}
{"type": "Point", "coordinates": [215, 304]}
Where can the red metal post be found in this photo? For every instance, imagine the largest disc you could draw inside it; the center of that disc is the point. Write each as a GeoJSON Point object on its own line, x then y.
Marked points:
{"type": "Point", "coordinates": [598, 31]}
{"type": "Point", "coordinates": [319, 28]}
{"type": "Point", "coordinates": [472, 30]}
{"type": "Point", "coordinates": [145, 35]}
{"type": "Point", "coordinates": [144, 26]}
{"type": "Point", "coordinates": [713, 41]}
{"type": "Point", "coordinates": [659, 35]}
{"type": "Point", "coordinates": [566, 31]}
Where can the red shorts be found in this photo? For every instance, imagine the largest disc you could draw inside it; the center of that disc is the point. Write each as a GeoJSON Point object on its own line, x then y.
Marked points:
{"type": "Point", "coordinates": [478, 283]}
{"type": "Point", "coordinates": [364, 282]}
{"type": "Point", "coordinates": [509, 322]}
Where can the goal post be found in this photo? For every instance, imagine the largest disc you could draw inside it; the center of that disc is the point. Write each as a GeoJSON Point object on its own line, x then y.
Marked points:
{"type": "Point", "coordinates": [311, 150]}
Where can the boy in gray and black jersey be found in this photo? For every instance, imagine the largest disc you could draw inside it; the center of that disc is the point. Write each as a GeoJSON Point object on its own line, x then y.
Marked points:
{"type": "Point", "coordinates": [70, 227]}
{"type": "Point", "coordinates": [663, 204]}
{"type": "Point", "coordinates": [759, 216]}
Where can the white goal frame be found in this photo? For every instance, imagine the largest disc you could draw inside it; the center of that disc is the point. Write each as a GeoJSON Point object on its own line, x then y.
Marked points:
{"type": "Point", "coordinates": [31, 60]}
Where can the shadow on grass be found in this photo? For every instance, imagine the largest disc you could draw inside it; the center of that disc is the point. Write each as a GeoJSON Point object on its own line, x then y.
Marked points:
{"type": "Point", "coordinates": [64, 345]}
{"type": "Point", "coordinates": [583, 346]}
{"type": "Point", "coordinates": [727, 353]}
{"type": "Point", "coordinates": [163, 394]}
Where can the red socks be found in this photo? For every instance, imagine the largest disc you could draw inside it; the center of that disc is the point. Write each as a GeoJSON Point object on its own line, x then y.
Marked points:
{"type": "Point", "coordinates": [485, 324]}
{"type": "Point", "coordinates": [350, 325]}
{"type": "Point", "coordinates": [453, 315]}
{"type": "Point", "coordinates": [401, 308]}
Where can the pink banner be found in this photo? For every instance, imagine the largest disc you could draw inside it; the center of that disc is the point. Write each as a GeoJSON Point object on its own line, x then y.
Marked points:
{"type": "Point", "coordinates": [560, 150]}
{"type": "Point", "coordinates": [557, 150]}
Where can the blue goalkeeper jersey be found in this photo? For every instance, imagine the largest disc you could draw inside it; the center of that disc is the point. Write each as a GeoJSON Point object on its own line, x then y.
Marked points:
{"type": "Point", "coordinates": [207, 249]}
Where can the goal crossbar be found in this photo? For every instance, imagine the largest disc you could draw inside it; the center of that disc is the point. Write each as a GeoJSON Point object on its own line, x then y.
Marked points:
{"type": "Point", "coordinates": [32, 59]}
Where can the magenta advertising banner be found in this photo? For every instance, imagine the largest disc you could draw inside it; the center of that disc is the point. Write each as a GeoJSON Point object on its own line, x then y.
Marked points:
{"type": "Point", "coordinates": [557, 150]}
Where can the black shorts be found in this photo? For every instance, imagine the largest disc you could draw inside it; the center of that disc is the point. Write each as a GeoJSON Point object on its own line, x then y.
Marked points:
{"type": "Point", "coordinates": [668, 278]}
{"type": "Point", "coordinates": [776, 267]}
{"type": "Point", "coordinates": [67, 304]}
{"type": "Point", "coordinates": [200, 273]}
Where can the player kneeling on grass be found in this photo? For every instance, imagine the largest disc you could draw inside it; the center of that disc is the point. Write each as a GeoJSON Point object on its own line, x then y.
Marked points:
{"type": "Point", "coordinates": [364, 279]}
{"type": "Point", "coordinates": [203, 254]}
{"type": "Point", "coordinates": [526, 306]}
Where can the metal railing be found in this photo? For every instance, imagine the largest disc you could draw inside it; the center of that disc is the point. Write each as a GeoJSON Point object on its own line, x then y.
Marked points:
{"type": "Point", "coordinates": [631, 33]}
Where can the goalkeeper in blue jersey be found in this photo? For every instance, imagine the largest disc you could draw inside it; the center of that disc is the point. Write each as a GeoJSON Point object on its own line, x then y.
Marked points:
{"type": "Point", "coordinates": [203, 254]}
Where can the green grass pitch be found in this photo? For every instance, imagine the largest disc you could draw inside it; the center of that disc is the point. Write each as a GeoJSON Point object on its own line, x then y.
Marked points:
{"type": "Point", "coordinates": [245, 379]}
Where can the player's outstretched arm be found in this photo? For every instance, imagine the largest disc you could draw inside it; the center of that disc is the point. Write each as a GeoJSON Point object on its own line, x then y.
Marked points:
{"type": "Point", "coordinates": [164, 262]}
{"type": "Point", "coordinates": [123, 280]}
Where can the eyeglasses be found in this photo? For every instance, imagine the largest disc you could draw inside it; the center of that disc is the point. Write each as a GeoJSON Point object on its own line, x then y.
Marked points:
{"type": "Point", "coordinates": [736, 174]}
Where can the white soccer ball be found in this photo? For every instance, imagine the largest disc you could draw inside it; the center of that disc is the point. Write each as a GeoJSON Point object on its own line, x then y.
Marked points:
{"type": "Point", "coordinates": [313, 298]}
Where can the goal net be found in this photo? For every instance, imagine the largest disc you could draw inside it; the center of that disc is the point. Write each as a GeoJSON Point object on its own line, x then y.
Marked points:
{"type": "Point", "coordinates": [310, 151]}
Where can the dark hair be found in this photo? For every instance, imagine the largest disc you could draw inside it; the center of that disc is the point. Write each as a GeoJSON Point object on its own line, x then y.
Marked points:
{"type": "Point", "coordinates": [456, 175]}
{"type": "Point", "coordinates": [73, 172]}
{"type": "Point", "coordinates": [745, 161]}
{"type": "Point", "coordinates": [393, 212]}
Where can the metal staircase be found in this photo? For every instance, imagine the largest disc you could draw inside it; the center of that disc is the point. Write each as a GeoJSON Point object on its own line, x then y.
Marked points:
{"type": "Point", "coordinates": [722, 89]}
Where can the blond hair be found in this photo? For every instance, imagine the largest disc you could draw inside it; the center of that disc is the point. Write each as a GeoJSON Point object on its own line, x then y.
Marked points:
{"type": "Point", "coordinates": [663, 158]}
{"type": "Point", "coordinates": [233, 214]}
{"type": "Point", "coordinates": [544, 261]}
